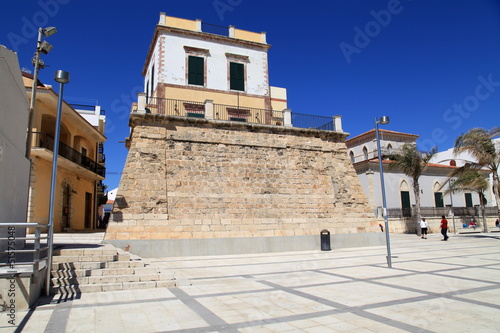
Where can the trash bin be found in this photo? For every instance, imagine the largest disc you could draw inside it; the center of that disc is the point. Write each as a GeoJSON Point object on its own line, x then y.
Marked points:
{"type": "Point", "coordinates": [325, 240]}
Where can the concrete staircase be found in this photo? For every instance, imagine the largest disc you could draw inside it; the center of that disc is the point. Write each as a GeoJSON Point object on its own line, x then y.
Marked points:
{"type": "Point", "coordinates": [103, 268]}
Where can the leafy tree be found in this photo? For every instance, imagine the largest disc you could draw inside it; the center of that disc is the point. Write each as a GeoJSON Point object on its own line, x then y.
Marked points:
{"type": "Point", "coordinates": [478, 143]}
{"type": "Point", "coordinates": [412, 163]}
{"type": "Point", "coordinates": [469, 179]}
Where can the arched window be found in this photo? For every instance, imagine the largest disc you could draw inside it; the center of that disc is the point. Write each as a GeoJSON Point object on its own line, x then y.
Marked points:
{"type": "Point", "coordinates": [405, 198]}
{"type": "Point", "coordinates": [365, 153]}
{"type": "Point", "coordinates": [351, 155]}
{"type": "Point", "coordinates": [389, 149]}
{"type": "Point", "coordinates": [453, 163]}
{"type": "Point", "coordinates": [438, 195]}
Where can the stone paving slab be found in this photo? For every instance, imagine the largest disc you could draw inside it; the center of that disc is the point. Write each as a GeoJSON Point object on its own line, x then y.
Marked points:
{"type": "Point", "coordinates": [434, 286]}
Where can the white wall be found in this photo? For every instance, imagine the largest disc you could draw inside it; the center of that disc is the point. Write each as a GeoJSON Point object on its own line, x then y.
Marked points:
{"type": "Point", "coordinates": [174, 63]}
{"type": "Point", "coordinates": [14, 167]}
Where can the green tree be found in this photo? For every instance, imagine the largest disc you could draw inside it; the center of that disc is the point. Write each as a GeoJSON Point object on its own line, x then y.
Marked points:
{"type": "Point", "coordinates": [467, 178]}
{"type": "Point", "coordinates": [412, 163]}
{"type": "Point", "coordinates": [478, 143]}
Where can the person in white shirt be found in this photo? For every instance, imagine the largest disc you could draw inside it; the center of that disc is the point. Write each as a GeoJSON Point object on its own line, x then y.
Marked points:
{"type": "Point", "coordinates": [423, 226]}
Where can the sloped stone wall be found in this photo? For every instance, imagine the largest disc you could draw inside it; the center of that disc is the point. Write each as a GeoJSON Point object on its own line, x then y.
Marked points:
{"type": "Point", "coordinates": [198, 179]}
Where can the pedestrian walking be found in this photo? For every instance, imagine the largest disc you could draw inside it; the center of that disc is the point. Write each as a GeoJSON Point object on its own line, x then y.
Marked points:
{"type": "Point", "coordinates": [444, 228]}
{"type": "Point", "coordinates": [423, 226]}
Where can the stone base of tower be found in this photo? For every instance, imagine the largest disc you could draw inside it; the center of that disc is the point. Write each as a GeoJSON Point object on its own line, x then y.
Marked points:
{"type": "Point", "coordinates": [198, 187]}
{"type": "Point", "coordinates": [157, 248]}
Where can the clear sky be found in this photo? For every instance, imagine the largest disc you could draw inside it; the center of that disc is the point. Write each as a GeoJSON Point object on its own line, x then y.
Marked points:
{"type": "Point", "coordinates": [433, 66]}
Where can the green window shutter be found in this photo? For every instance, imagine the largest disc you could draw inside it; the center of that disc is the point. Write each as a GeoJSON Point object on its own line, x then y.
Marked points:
{"type": "Point", "coordinates": [237, 76]}
{"type": "Point", "coordinates": [405, 203]}
{"type": "Point", "coordinates": [196, 70]}
{"type": "Point", "coordinates": [468, 200]}
{"type": "Point", "coordinates": [438, 199]}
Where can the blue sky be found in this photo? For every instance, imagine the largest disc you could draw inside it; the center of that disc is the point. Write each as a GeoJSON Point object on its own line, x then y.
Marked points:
{"type": "Point", "coordinates": [432, 66]}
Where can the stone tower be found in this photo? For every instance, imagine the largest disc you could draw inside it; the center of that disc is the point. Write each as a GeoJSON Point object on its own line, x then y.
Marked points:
{"type": "Point", "coordinates": [215, 163]}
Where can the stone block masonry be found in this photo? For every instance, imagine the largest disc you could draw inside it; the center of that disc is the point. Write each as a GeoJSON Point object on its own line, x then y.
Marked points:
{"type": "Point", "coordinates": [196, 179]}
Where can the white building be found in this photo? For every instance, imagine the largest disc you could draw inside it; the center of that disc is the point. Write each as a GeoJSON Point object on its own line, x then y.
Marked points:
{"type": "Point", "coordinates": [191, 64]}
{"type": "Point", "coordinates": [14, 166]}
{"type": "Point", "coordinates": [362, 150]}
{"type": "Point", "coordinates": [448, 157]}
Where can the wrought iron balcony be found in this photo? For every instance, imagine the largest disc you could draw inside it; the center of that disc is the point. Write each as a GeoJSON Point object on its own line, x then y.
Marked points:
{"type": "Point", "coordinates": [44, 140]}
{"type": "Point", "coordinates": [210, 110]}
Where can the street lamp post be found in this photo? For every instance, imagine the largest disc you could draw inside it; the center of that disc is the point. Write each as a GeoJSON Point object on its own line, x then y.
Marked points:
{"type": "Point", "coordinates": [62, 78]}
{"type": "Point", "coordinates": [383, 121]}
{"type": "Point", "coordinates": [43, 47]}
{"type": "Point", "coordinates": [452, 209]}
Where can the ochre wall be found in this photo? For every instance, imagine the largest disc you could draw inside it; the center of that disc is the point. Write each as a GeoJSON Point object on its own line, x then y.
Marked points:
{"type": "Point", "coordinates": [195, 178]}
{"type": "Point", "coordinates": [40, 188]}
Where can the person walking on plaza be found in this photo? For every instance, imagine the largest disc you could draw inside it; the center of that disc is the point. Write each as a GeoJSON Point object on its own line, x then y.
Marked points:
{"type": "Point", "coordinates": [444, 228]}
{"type": "Point", "coordinates": [423, 226]}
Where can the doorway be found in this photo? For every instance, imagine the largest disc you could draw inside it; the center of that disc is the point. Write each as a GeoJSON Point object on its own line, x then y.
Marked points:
{"type": "Point", "coordinates": [88, 210]}
{"type": "Point", "coordinates": [66, 206]}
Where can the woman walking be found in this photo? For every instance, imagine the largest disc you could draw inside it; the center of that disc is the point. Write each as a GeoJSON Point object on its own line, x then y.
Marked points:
{"type": "Point", "coordinates": [423, 226]}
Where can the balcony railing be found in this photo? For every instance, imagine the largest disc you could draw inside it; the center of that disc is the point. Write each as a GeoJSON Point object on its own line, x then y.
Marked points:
{"type": "Point", "coordinates": [310, 121]}
{"type": "Point", "coordinates": [182, 108]}
{"type": "Point", "coordinates": [44, 140]}
{"type": "Point", "coordinates": [439, 211]}
{"type": "Point", "coordinates": [215, 29]}
{"type": "Point", "coordinates": [209, 110]}
{"type": "Point", "coordinates": [249, 115]}
{"type": "Point", "coordinates": [175, 107]}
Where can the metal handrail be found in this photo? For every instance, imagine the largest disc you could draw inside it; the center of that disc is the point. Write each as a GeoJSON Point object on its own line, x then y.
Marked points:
{"type": "Point", "coordinates": [37, 248]}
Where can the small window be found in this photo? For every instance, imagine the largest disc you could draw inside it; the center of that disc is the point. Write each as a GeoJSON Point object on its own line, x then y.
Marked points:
{"type": "Point", "coordinates": [84, 152]}
{"type": "Point", "coordinates": [389, 149]}
{"type": "Point", "coordinates": [351, 154]}
{"type": "Point", "coordinates": [238, 114]}
{"type": "Point", "coordinates": [236, 76]}
{"type": "Point", "coordinates": [468, 200]}
{"type": "Point", "coordinates": [365, 153]}
{"type": "Point", "coordinates": [196, 70]}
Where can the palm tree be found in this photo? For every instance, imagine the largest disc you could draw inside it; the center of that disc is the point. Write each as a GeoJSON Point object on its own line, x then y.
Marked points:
{"type": "Point", "coordinates": [477, 142]}
{"type": "Point", "coordinates": [412, 163]}
{"type": "Point", "coordinates": [469, 179]}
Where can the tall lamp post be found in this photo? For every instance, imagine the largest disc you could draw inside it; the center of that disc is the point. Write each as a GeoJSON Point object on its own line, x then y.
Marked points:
{"type": "Point", "coordinates": [383, 121]}
{"type": "Point", "coordinates": [62, 78]}
{"type": "Point", "coordinates": [452, 209]}
{"type": "Point", "coordinates": [43, 47]}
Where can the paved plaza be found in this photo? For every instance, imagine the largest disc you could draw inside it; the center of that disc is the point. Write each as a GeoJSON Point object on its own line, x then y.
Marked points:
{"type": "Point", "coordinates": [434, 286]}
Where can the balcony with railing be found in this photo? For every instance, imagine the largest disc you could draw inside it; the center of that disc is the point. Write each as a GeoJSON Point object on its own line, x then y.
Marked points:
{"type": "Point", "coordinates": [234, 113]}
{"type": "Point", "coordinates": [44, 140]}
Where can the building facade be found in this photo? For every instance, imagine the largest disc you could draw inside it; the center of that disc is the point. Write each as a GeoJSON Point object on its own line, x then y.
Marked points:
{"type": "Point", "coordinates": [80, 166]}
{"type": "Point", "coordinates": [14, 166]}
{"type": "Point", "coordinates": [186, 67]}
{"type": "Point", "coordinates": [363, 153]}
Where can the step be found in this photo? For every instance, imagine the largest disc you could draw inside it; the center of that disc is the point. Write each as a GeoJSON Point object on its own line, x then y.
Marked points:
{"type": "Point", "coordinates": [111, 279]}
{"type": "Point", "coordinates": [87, 251]}
{"type": "Point", "coordinates": [97, 264]}
{"type": "Point", "coordinates": [78, 265]}
{"type": "Point", "coordinates": [74, 289]}
{"type": "Point", "coordinates": [63, 273]}
{"type": "Point", "coordinates": [86, 258]}
{"type": "Point", "coordinates": [124, 264]}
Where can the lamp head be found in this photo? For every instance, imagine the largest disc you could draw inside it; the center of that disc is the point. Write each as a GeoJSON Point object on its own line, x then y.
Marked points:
{"type": "Point", "coordinates": [45, 47]}
{"type": "Point", "coordinates": [383, 120]}
{"type": "Point", "coordinates": [61, 76]}
{"type": "Point", "coordinates": [49, 31]}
